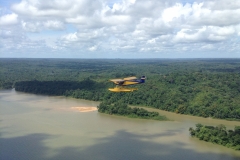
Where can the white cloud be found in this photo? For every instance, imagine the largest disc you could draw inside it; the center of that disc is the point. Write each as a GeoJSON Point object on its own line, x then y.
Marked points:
{"type": "Point", "coordinates": [5, 33]}
{"type": "Point", "coordinates": [56, 8]}
{"type": "Point", "coordinates": [54, 25]}
{"type": "Point", "coordinates": [72, 37]}
{"type": "Point", "coordinates": [208, 47]}
{"type": "Point", "coordinates": [9, 19]}
{"type": "Point", "coordinates": [222, 4]}
{"type": "Point", "coordinates": [176, 11]}
{"type": "Point", "coordinates": [31, 26]}
{"type": "Point", "coordinates": [133, 25]}
{"type": "Point", "coordinates": [151, 41]}
{"type": "Point", "coordinates": [77, 20]}
{"type": "Point", "coordinates": [210, 33]}
{"type": "Point", "coordinates": [116, 19]}
{"type": "Point", "coordinates": [93, 48]}
{"type": "Point", "coordinates": [37, 26]}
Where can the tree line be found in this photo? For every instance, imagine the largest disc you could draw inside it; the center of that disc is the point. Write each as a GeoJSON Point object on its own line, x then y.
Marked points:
{"type": "Point", "coordinates": [121, 108]}
{"type": "Point", "coordinates": [218, 135]}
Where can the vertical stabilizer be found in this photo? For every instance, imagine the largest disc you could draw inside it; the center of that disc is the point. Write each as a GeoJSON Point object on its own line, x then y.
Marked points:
{"type": "Point", "coordinates": [143, 79]}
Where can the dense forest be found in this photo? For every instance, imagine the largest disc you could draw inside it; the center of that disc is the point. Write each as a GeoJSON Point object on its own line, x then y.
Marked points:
{"type": "Point", "coordinates": [199, 87]}
{"type": "Point", "coordinates": [218, 135]}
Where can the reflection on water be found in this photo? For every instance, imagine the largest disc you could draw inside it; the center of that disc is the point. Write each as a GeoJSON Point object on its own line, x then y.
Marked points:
{"type": "Point", "coordinates": [42, 127]}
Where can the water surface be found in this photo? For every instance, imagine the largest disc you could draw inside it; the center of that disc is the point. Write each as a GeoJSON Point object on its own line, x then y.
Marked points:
{"type": "Point", "coordinates": [43, 127]}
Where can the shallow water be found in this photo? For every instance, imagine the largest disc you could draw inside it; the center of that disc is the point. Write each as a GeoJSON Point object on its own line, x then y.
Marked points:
{"type": "Point", "coordinates": [43, 127]}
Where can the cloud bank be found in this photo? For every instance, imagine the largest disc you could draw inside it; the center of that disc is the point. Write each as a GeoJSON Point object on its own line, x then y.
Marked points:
{"type": "Point", "coordinates": [120, 29]}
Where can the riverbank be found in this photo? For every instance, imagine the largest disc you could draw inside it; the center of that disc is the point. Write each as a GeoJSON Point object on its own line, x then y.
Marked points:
{"type": "Point", "coordinates": [170, 115]}
{"type": "Point", "coordinates": [183, 118]}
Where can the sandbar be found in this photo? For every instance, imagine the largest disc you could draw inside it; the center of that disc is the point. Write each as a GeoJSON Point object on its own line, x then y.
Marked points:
{"type": "Point", "coordinates": [84, 109]}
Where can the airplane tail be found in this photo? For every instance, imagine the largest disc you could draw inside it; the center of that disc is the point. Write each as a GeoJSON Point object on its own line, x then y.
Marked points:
{"type": "Point", "coordinates": [143, 79]}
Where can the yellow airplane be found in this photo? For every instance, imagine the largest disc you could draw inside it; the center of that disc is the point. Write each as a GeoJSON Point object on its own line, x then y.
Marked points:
{"type": "Point", "coordinates": [126, 82]}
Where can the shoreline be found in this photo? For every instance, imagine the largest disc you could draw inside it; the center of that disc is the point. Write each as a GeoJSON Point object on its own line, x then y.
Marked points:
{"type": "Point", "coordinates": [183, 117]}
{"type": "Point", "coordinates": [170, 115]}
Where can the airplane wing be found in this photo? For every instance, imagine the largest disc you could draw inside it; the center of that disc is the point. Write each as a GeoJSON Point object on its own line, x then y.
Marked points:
{"type": "Point", "coordinates": [130, 78]}
{"type": "Point", "coordinates": [117, 81]}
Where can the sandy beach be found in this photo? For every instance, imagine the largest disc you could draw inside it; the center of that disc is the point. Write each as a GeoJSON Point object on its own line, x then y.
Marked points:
{"type": "Point", "coordinates": [84, 109]}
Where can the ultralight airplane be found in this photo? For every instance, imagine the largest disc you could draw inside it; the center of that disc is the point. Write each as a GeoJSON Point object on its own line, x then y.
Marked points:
{"type": "Point", "coordinates": [121, 83]}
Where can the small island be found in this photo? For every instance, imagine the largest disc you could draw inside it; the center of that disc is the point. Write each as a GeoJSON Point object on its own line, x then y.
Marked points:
{"type": "Point", "coordinates": [218, 135]}
{"type": "Point", "coordinates": [121, 108]}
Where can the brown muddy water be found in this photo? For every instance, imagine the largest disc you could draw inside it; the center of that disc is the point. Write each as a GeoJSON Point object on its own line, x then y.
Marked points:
{"type": "Point", "coordinates": [46, 128]}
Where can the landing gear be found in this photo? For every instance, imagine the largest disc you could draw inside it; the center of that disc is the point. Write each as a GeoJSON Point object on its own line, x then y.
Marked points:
{"type": "Point", "coordinates": [122, 89]}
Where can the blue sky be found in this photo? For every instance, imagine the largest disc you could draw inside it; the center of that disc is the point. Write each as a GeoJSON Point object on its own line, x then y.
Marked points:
{"type": "Point", "coordinates": [119, 29]}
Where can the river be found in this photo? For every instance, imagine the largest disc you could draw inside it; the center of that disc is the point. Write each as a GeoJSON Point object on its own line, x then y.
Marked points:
{"type": "Point", "coordinates": [47, 128]}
